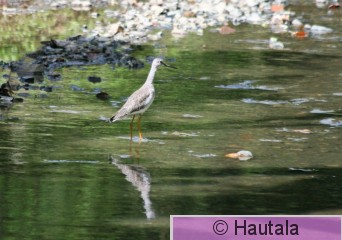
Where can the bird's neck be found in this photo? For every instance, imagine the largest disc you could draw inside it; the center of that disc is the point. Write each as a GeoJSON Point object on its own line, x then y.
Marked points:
{"type": "Point", "coordinates": [150, 76]}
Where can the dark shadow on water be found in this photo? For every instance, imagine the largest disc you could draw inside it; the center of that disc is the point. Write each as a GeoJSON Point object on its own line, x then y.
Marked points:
{"type": "Point", "coordinates": [305, 193]}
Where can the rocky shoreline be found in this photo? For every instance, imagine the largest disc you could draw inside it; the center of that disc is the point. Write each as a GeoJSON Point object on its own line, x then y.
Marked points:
{"type": "Point", "coordinates": [74, 51]}
{"type": "Point", "coordinates": [139, 22]}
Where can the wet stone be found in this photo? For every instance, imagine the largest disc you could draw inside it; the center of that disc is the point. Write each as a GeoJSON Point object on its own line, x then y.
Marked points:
{"type": "Point", "coordinates": [102, 95]}
{"type": "Point", "coordinates": [18, 100]}
{"type": "Point", "coordinates": [76, 88]}
{"type": "Point", "coordinates": [54, 76]}
{"type": "Point", "coordinates": [79, 51]}
{"type": "Point", "coordinates": [29, 87]}
{"type": "Point", "coordinates": [75, 51]}
{"type": "Point", "coordinates": [27, 79]}
{"type": "Point", "coordinates": [131, 62]}
{"type": "Point", "coordinates": [23, 95]}
{"type": "Point", "coordinates": [94, 79]}
{"type": "Point", "coordinates": [6, 76]}
{"type": "Point", "coordinates": [46, 88]}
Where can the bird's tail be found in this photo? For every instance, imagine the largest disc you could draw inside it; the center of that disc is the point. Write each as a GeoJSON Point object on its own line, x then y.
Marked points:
{"type": "Point", "coordinates": [112, 119]}
{"type": "Point", "coordinates": [117, 116]}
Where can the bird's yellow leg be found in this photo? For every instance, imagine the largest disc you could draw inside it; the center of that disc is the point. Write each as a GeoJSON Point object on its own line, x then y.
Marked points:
{"type": "Point", "coordinates": [139, 128]}
{"type": "Point", "coordinates": [131, 126]}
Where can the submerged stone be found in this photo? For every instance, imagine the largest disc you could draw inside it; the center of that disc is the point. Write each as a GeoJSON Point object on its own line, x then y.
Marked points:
{"type": "Point", "coordinates": [76, 88]}
{"type": "Point", "coordinates": [102, 95]}
{"type": "Point", "coordinates": [94, 79]}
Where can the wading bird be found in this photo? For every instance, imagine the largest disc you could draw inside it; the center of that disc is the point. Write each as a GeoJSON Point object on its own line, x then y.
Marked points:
{"type": "Point", "coordinates": [140, 100]}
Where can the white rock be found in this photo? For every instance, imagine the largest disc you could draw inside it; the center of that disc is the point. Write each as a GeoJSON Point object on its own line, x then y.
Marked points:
{"type": "Point", "coordinates": [275, 44]}
{"type": "Point", "coordinates": [254, 18]}
{"type": "Point", "coordinates": [321, 3]}
{"type": "Point", "coordinates": [297, 23]}
{"type": "Point", "coordinates": [317, 30]}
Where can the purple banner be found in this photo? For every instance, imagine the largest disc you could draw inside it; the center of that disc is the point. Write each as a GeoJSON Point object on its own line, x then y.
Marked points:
{"type": "Point", "coordinates": [256, 227]}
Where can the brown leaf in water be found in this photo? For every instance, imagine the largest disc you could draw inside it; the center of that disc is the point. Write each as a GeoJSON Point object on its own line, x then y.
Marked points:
{"type": "Point", "coordinates": [225, 30]}
{"type": "Point", "coordinates": [277, 8]}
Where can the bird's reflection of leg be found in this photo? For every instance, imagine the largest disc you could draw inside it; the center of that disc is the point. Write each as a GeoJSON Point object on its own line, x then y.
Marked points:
{"type": "Point", "coordinates": [136, 150]}
{"type": "Point", "coordinates": [131, 127]}
{"type": "Point", "coordinates": [139, 128]}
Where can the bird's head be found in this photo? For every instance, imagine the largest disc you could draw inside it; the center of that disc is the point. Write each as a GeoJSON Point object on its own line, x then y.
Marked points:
{"type": "Point", "coordinates": [158, 62]}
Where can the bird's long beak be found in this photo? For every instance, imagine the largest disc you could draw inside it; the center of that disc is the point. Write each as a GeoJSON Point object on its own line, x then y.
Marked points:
{"type": "Point", "coordinates": [167, 65]}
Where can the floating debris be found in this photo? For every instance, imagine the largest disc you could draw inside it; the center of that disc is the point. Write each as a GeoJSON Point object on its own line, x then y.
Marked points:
{"type": "Point", "coordinates": [303, 169]}
{"type": "Point", "coordinates": [242, 155]}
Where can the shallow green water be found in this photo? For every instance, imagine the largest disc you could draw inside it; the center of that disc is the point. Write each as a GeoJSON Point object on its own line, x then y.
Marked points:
{"type": "Point", "coordinates": [68, 174]}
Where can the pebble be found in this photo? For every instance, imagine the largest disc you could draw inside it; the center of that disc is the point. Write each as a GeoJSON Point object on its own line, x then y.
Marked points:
{"type": "Point", "coordinates": [275, 44]}
{"type": "Point", "coordinates": [181, 17]}
{"type": "Point", "coordinates": [184, 17]}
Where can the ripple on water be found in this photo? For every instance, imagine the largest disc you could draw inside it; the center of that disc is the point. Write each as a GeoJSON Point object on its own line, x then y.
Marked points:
{"type": "Point", "coordinates": [194, 116]}
{"type": "Point", "coordinates": [247, 85]}
{"type": "Point", "coordinates": [266, 102]}
{"type": "Point", "coordinates": [331, 122]}
{"type": "Point", "coordinates": [70, 161]}
{"type": "Point", "coordinates": [68, 111]}
{"type": "Point", "coordinates": [206, 155]}
{"type": "Point", "coordinates": [316, 110]}
{"type": "Point", "coordinates": [136, 139]}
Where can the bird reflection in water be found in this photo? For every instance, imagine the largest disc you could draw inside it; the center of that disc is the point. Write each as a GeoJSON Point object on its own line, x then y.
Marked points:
{"type": "Point", "coordinates": [140, 179]}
